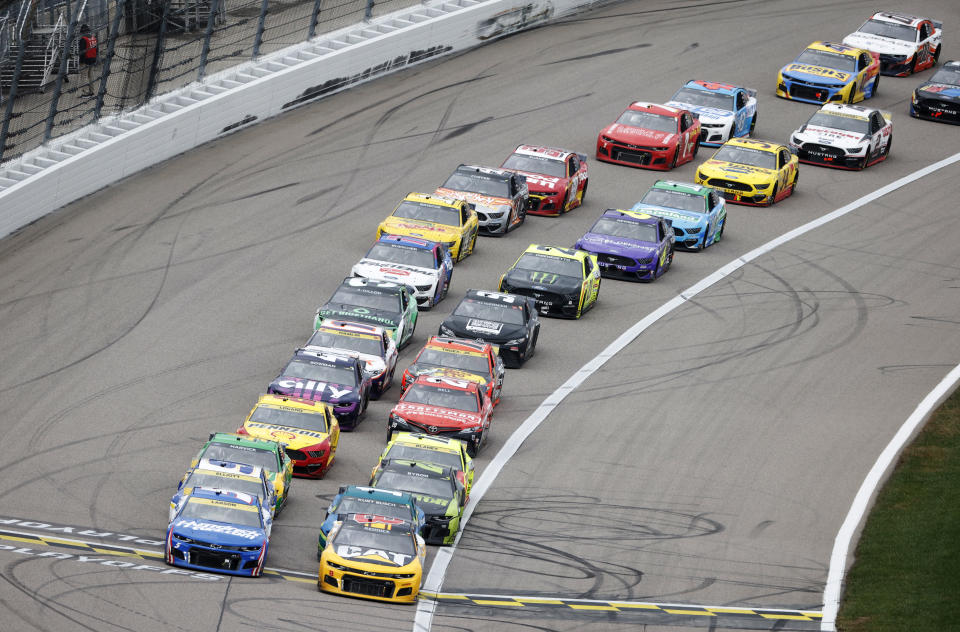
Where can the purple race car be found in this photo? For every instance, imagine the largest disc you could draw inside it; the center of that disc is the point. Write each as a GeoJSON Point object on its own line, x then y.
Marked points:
{"type": "Point", "coordinates": [336, 379]}
{"type": "Point", "coordinates": [630, 245]}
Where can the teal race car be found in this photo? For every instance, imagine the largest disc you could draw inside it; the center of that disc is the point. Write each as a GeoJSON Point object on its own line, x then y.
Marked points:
{"type": "Point", "coordinates": [698, 213]}
{"type": "Point", "coordinates": [390, 305]}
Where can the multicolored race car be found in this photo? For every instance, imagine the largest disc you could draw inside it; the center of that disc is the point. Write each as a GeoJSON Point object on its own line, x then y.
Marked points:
{"type": "Point", "coordinates": [651, 136]}
{"type": "Point", "coordinates": [223, 532]}
{"type": "Point", "coordinates": [556, 178]}
{"type": "Point", "coordinates": [308, 430]}
{"type": "Point", "coordinates": [425, 265]}
{"type": "Point", "coordinates": [415, 446]}
{"type": "Point", "coordinates": [325, 377]}
{"type": "Point", "coordinates": [939, 98]}
{"type": "Point", "coordinates": [725, 111]}
{"type": "Point", "coordinates": [444, 406]}
{"type": "Point", "coordinates": [470, 360]}
{"type": "Point", "coordinates": [437, 490]}
{"type": "Point", "coordinates": [373, 557]}
{"type": "Point", "coordinates": [371, 344]}
{"type": "Point", "coordinates": [385, 303]}
{"type": "Point", "coordinates": [844, 136]}
{"type": "Point", "coordinates": [499, 197]}
{"type": "Point", "coordinates": [697, 214]}
{"type": "Point", "coordinates": [630, 245]}
{"type": "Point", "coordinates": [751, 172]}
{"type": "Point", "coordinates": [564, 282]}
{"type": "Point", "coordinates": [450, 221]}
{"type": "Point", "coordinates": [224, 476]}
{"type": "Point", "coordinates": [827, 72]}
{"type": "Point", "coordinates": [507, 321]}
{"type": "Point", "coordinates": [354, 499]}
{"type": "Point", "coordinates": [905, 43]}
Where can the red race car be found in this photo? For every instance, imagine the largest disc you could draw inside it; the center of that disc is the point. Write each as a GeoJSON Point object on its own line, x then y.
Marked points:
{"type": "Point", "coordinates": [650, 136]}
{"type": "Point", "coordinates": [475, 361]}
{"type": "Point", "coordinates": [445, 406]}
{"type": "Point", "coordinates": [556, 178]}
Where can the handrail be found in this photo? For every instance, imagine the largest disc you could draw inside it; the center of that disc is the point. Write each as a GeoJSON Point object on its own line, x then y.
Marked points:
{"type": "Point", "coordinates": [52, 53]}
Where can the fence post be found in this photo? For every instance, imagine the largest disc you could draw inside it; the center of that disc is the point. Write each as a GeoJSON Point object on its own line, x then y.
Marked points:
{"type": "Point", "coordinates": [206, 40]}
{"type": "Point", "coordinates": [58, 85]}
{"type": "Point", "coordinates": [11, 96]}
{"type": "Point", "coordinates": [314, 18]}
{"type": "Point", "coordinates": [157, 53]}
{"type": "Point", "coordinates": [368, 14]}
{"type": "Point", "coordinates": [260, 26]}
{"type": "Point", "coordinates": [111, 42]}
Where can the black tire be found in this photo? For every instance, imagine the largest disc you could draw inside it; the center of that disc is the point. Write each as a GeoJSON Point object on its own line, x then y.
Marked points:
{"type": "Point", "coordinates": [723, 227]}
{"type": "Point", "coordinates": [706, 235]}
{"type": "Point", "coordinates": [936, 55]}
{"type": "Point", "coordinates": [583, 196]}
{"type": "Point", "coordinates": [876, 86]}
{"type": "Point", "coordinates": [446, 287]}
{"type": "Point", "coordinates": [676, 157]}
{"type": "Point", "coordinates": [532, 349]}
{"type": "Point", "coordinates": [886, 151]}
{"type": "Point", "coordinates": [913, 69]}
{"type": "Point", "coordinates": [473, 242]}
{"type": "Point", "coordinates": [773, 196]}
{"type": "Point", "coordinates": [473, 448]}
{"type": "Point", "coordinates": [389, 434]}
{"type": "Point", "coordinates": [753, 123]}
{"type": "Point", "coordinates": [696, 149]}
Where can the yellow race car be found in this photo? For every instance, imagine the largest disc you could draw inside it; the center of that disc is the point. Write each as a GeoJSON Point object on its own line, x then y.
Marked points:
{"type": "Point", "coordinates": [435, 218]}
{"type": "Point", "coordinates": [830, 73]}
{"type": "Point", "coordinates": [373, 557]}
{"type": "Point", "coordinates": [751, 172]}
{"type": "Point", "coordinates": [564, 282]}
{"type": "Point", "coordinates": [430, 449]}
{"type": "Point", "coordinates": [307, 429]}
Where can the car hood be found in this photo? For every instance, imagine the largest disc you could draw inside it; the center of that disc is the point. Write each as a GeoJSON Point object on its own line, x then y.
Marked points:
{"type": "Point", "coordinates": [400, 273]}
{"type": "Point", "coordinates": [816, 74]}
{"type": "Point", "coordinates": [340, 311]}
{"type": "Point", "coordinates": [637, 135]}
{"type": "Point", "coordinates": [830, 136]}
{"type": "Point", "coordinates": [479, 200]}
{"type": "Point", "coordinates": [704, 113]}
{"type": "Point", "coordinates": [880, 44]}
{"type": "Point", "coordinates": [314, 390]}
{"type": "Point", "coordinates": [418, 228]}
{"type": "Point", "coordinates": [293, 438]}
{"type": "Point", "coordinates": [545, 281]}
{"type": "Point", "coordinates": [368, 555]}
{"type": "Point", "coordinates": [681, 219]}
{"type": "Point", "coordinates": [541, 182]}
{"type": "Point", "coordinates": [437, 415]}
{"type": "Point", "coordinates": [736, 171]}
{"type": "Point", "coordinates": [617, 245]}
{"type": "Point", "coordinates": [220, 533]}
{"type": "Point", "coordinates": [942, 91]}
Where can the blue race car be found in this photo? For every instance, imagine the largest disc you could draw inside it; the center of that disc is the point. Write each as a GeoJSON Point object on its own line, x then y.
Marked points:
{"type": "Point", "coordinates": [354, 499]}
{"type": "Point", "coordinates": [425, 265]}
{"type": "Point", "coordinates": [226, 532]}
{"type": "Point", "coordinates": [725, 111]}
{"type": "Point", "coordinates": [629, 245]}
{"type": "Point", "coordinates": [698, 213]}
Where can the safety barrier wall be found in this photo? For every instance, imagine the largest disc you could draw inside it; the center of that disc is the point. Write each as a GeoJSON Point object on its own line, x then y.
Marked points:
{"type": "Point", "coordinates": [94, 157]}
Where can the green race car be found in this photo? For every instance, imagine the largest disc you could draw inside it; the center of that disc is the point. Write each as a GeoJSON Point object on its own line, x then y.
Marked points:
{"type": "Point", "coordinates": [436, 489]}
{"type": "Point", "coordinates": [390, 305]}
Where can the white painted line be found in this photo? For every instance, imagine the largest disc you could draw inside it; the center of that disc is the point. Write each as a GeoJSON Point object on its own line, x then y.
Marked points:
{"type": "Point", "coordinates": [438, 570]}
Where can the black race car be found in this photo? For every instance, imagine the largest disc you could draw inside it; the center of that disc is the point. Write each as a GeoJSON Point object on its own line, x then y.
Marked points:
{"type": "Point", "coordinates": [939, 98]}
{"type": "Point", "coordinates": [508, 321]}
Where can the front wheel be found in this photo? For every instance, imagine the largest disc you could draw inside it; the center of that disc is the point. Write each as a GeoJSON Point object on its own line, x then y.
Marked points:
{"type": "Point", "coordinates": [474, 446]}
{"type": "Point", "coordinates": [936, 55]}
{"type": "Point", "coordinates": [389, 434]}
{"type": "Point", "coordinates": [876, 86]}
{"type": "Point", "coordinates": [886, 150]}
{"type": "Point", "coordinates": [773, 196]}
{"type": "Point", "coordinates": [753, 123]}
{"type": "Point", "coordinates": [719, 234]}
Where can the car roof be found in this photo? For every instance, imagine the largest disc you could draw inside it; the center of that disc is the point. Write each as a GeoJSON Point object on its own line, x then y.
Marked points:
{"type": "Point", "coordinates": [542, 152]}
{"type": "Point", "coordinates": [502, 174]}
{"type": "Point", "coordinates": [383, 287]}
{"type": "Point", "coordinates": [374, 493]}
{"type": "Point", "coordinates": [365, 521]}
{"type": "Point", "coordinates": [228, 469]}
{"type": "Point", "coordinates": [903, 19]}
{"type": "Point", "coordinates": [435, 200]}
{"type": "Point", "coordinates": [447, 444]}
{"type": "Point", "coordinates": [495, 298]}
{"type": "Point", "coordinates": [686, 187]}
{"type": "Point", "coordinates": [347, 327]}
{"type": "Point", "coordinates": [712, 86]}
{"type": "Point", "coordinates": [239, 498]}
{"type": "Point", "coordinates": [432, 470]}
{"type": "Point", "coordinates": [231, 438]}
{"type": "Point", "coordinates": [843, 109]}
{"type": "Point", "coordinates": [833, 47]}
{"type": "Point", "coordinates": [754, 143]}
{"type": "Point", "coordinates": [444, 379]}
{"type": "Point", "coordinates": [411, 242]}
{"type": "Point", "coordinates": [316, 356]}
{"type": "Point", "coordinates": [459, 344]}
{"type": "Point", "coordinates": [635, 216]}
{"type": "Point", "coordinates": [556, 251]}
{"type": "Point", "coordinates": [656, 108]}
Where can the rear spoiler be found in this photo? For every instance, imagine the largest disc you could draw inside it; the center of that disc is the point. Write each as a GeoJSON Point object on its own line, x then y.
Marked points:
{"type": "Point", "coordinates": [937, 24]}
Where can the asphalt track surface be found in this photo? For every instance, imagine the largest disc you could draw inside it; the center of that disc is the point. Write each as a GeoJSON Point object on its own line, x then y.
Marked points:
{"type": "Point", "coordinates": [709, 464]}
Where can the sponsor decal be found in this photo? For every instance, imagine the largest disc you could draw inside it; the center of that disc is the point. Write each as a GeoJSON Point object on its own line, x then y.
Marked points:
{"type": "Point", "coordinates": [488, 327]}
{"type": "Point", "coordinates": [675, 215]}
{"type": "Point", "coordinates": [84, 559]}
{"type": "Point", "coordinates": [545, 278]}
{"type": "Point", "coordinates": [226, 529]}
{"type": "Point", "coordinates": [436, 411]}
{"type": "Point", "coordinates": [819, 71]}
{"type": "Point", "coordinates": [316, 387]}
{"type": "Point", "coordinates": [292, 432]}
{"type": "Point", "coordinates": [348, 551]}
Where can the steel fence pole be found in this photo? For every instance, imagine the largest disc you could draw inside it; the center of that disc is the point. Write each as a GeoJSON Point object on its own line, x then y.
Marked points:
{"type": "Point", "coordinates": [157, 52]}
{"type": "Point", "coordinates": [11, 97]}
{"type": "Point", "coordinates": [206, 40]}
{"type": "Point", "coordinates": [314, 18]}
{"type": "Point", "coordinates": [111, 44]}
{"type": "Point", "coordinates": [61, 73]}
{"type": "Point", "coordinates": [368, 14]}
{"type": "Point", "coordinates": [260, 26]}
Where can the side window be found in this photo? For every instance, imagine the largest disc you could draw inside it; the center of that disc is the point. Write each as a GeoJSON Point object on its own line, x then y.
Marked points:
{"type": "Point", "coordinates": [663, 230]}
{"type": "Point", "coordinates": [403, 299]}
{"type": "Point", "coordinates": [714, 199]}
{"type": "Point", "coordinates": [573, 166]}
{"type": "Point", "coordinates": [464, 216]}
{"type": "Point", "coordinates": [741, 101]}
{"type": "Point", "coordinates": [865, 60]}
{"type": "Point", "coordinates": [781, 159]}
{"type": "Point", "coordinates": [924, 31]}
{"type": "Point", "coordinates": [588, 266]}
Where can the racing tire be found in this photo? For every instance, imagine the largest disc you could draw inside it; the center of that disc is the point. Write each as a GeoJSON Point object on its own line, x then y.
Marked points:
{"type": "Point", "coordinates": [936, 55]}
{"type": "Point", "coordinates": [876, 86]}
{"type": "Point", "coordinates": [389, 434]}
{"type": "Point", "coordinates": [886, 150]}
{"type": "Point", "coordinates": [706, 235]}
{"type": "Point", "coordinates": [473, 242]}
{"type": "Point", "coordinates": [446, 288]}
{"type": "Point", "coordinates": [773, 196]}
{"type": "Point", "coordinates": [753, 123]}
{"type": "Point", "coordinates": [474, 448]}
{"type": "Point", "coordinates": [863, 163]}
{"type": "Point", "coordinates": [583, 194]}
{"type": "Point", "coordinates": [696, 149]}
{"type": "Point", "coordinates": [723, 227]}
{"type": "Point", "coordinates": [532, 347]}
{"type": "Point", "coordinates": [913, 68]}
{"type": "Point", "coordinates": [676, 157]}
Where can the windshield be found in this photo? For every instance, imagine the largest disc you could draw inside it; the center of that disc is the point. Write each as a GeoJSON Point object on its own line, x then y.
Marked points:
{"type": "Point", "coordinates": [416, 484]}
{"type": "Point", "coordinates": [537, 164]}
{"type": "Point", "coordinates": [747, 156]}
{"type": "Point", "coordinates": [846, 63]}
{"type": "Point", "coordinates": [443, 397]}
{"type": "Point", "coordinates": [267, 459]}
{"type": "Point", "coordinates": [704, 98]}
{"type": "Point", "coordinates": [372, 538]}
{"type": "Point", "coordinates": [212, 480]}
{"type": "Point", "coordinates": [221, 511]}
{"type": "Point", "coordinates": [424, 455]}
{"type": "Point", "coordinates": [320, 372]}
{"type": "Point", "coordinates": [836, 121]}
{"type": "Point", "coordinates": [639, 231]}
{"type": "Point", "coordinates": [949, 76]}
{"type": "Point", "coordinates": [350, 341]}
{"type": "Point", "coordinates": [475, 182]}
{"type": "Point", "coordinates": [290, 417]}
{"type": "Point", "coordinates": [547, 263]}
{"type": "Point", "coordinates": [888, 29]}
{"type": "Point", "coordinates": [428, 213]}
{"type": "Point", "coordinates": [405, 255]}
{"type": "Point", "coordinates": [366, 297]}
{"type": "Point", "coordinates": [648, 120]}
{"type": "Point", "coordinates": [495, 312]}
{"type": "Point", "coordinates": [674, 199]}
{"type": "Point", "coordinates": [350, 505]}
{"type": "Point", "coordinates": [476, 363]}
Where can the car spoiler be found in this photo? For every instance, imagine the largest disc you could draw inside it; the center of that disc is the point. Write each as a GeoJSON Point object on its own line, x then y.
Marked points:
{"type": "Point", "coordinates": [751, 92]}
{"type": "Point", "coordinates": [937, 24]}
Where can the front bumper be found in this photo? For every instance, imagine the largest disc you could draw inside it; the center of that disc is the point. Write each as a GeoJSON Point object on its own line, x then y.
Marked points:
{"type": "Point", "coordinates": [204, 556]}
{"type": "Point", "coordinates": [896, 65]}
{"type": "Point", "coordinates": [828, 156]}
{"type": "Point", "coordinates": [634, 155]}
{"type": "Point", "coordinates": [310, 463]}
{"type": "Point", "coordinates": [343, 580]}
{"type": "Point", "coordinates": [440, 529]}
{"type": "Point", "coordinates": [689, 237]}
{"type": "Point", "coordinates": [936, 110]}
{"type": "Point", "coordinates": [547, 203]}
{"type": "Point", "coordinates": [714, 136]}
{"type": "Point", "coordinates": [469, 436]}
{"type": "Point", "coordinates": [810, 92]}
{"type": "Point", "coordinates": [739, 192]}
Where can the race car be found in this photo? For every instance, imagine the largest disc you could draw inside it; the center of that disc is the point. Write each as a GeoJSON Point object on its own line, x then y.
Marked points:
{"type": "Point", "coordinates": [415, 446]}
{"type": "Point", "coordinates": [436, 489]}
{"type": "Point", "coordinates": [325, 377]}
{"type": "Point", "coordinates": [308, 430]}
{"type": "Point", "coordinates": [390, 305]}
{"type": "Point", "coordinates": [630, 245]}
{"type": "Point", "coordinates": [471, 360]}
{"type": "Point", "coordinates": [827, 72]}
{"type": "Point", "coordinates": [556, 178]}
{"type": "Point", "coordinates": [371, 344]}
{"type": "Point", "coordinates": [507, 321]}
{"type": "Point", "coordinates": [563, 282]}
{"type": "Point", "coordinates": [223, 532]}
{"type": "Point", "coordinates": [269, 455]}
{"type": "Point", "coordinates": [499, 197]}
{"type": "Point", "coordinates": [697, 214]}
{"type": "Point", "coordinates": [939, 98]}
{"type": "Point", "coordinates": [354, 499]}
{"type": "Point", "coordinates": [225, 477]}
{"type": "Point", "coordinates": [444, 406]}
{"type": "Point", "coordinates": [443, 219]}
{"type": "Point", "coordinates": [373, 557]}
{"type": "Point", "coordinates": [751, 172]}
{"type": "Point", "coordinates": [425, 265]}
{"type": "Point", "coordinates": [650, 136]}
{"type": "Point", "coordinates": [905, 43]}
{"type": "Point", "coordinates": [844, 136]}
{"type": "Point", "coordinates": [725, 111]}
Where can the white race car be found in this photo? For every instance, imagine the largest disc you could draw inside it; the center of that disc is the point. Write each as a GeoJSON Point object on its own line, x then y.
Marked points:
{"type": "Point", "coordinates": [844, 136]}
{"type": "Point", "coordinates": [370, 344]}
{"type": "Point", "coordinates": [424, 265]}
{"type": "Point", "coordinates": [905, 43]}
{"type": "Point", "coordinates": [725, 111]}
